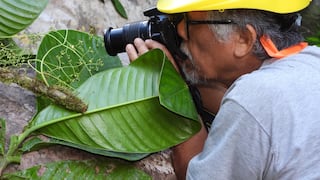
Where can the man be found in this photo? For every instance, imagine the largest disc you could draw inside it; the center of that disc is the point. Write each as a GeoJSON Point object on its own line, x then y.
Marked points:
{"type": "Point", "coordinates": [267, 126]}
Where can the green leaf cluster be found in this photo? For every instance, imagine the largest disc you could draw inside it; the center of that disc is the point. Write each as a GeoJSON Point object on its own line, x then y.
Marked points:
{"type": "Point", "coordinates": [16, 15]}
{"type": "Point", "coordinates": [314, 39]}
{"type": "Point", "coordinates": [143, 108]}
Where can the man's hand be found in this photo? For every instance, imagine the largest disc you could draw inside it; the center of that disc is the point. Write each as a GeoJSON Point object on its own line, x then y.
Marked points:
{"type": "Point", "coordinates": [140, 47]}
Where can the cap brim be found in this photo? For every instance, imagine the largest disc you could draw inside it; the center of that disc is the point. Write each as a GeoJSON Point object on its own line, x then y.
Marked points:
{"type": "Point", "coordinates": [277, 6]}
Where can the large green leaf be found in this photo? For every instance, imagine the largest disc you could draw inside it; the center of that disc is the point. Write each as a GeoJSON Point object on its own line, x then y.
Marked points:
{"type": "Point", "coordinates": [80, 170]}
{"type": "Point", "coordinates": [124, 111]}
{"type": "Point", "coordinates": [16, 15]}
{"type": "Point", "coordinates": [70, 57]}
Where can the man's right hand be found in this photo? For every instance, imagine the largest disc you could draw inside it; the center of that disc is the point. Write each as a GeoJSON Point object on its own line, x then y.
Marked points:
{"type": "Point", "coordinates": [140, 47]}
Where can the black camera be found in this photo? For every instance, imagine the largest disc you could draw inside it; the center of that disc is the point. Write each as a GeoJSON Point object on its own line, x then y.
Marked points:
{"type": "Point", "coordinates": [160, 27]}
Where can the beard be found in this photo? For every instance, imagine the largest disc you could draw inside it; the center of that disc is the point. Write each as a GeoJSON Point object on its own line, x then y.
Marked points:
{"type": "Point", "coordinates": [191, 70]}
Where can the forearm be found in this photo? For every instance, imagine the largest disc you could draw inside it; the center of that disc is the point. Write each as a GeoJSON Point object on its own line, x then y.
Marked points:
{"type": "Point", "coordinates": [183, 153]}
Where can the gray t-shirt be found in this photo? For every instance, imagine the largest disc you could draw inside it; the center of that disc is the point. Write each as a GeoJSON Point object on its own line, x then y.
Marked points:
{"type": "Point", "coordinates": [268, 126]}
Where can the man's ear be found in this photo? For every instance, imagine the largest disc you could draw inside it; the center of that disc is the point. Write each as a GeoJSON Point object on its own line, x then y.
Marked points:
{"type": "Point", "coordinates": [245, 41]}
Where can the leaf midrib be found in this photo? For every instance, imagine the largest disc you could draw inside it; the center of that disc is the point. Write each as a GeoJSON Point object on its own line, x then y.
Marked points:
{"type": "Point", "coordinates": [47, 123]}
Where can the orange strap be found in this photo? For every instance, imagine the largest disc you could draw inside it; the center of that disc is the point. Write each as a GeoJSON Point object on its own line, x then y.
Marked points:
{"type": "Point", "coordinates": [272, 50]}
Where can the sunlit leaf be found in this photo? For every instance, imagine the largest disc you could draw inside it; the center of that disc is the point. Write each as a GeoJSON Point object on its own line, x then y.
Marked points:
{"type": "Point", "coordinates": [124, 111]}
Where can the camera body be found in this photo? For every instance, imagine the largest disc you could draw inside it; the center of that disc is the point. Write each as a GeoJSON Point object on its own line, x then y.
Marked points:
{"type": "Point", "coordinates": [160, 27]}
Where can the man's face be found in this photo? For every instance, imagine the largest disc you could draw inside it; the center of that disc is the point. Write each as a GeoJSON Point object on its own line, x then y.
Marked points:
{"type": "Point", "coordinates": [208, 59]}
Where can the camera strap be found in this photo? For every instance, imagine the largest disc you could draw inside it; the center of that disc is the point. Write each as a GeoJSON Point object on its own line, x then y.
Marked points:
{"type": "Point", "coordinates": [206, 117]}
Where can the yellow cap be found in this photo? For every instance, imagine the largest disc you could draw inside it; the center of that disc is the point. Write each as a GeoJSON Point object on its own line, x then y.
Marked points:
{"type": "Point", "coordinates": [277, 6]}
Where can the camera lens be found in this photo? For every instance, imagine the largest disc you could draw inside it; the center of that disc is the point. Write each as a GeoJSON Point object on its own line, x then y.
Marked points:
{"type": "Point", "coordinates": [115, 40]}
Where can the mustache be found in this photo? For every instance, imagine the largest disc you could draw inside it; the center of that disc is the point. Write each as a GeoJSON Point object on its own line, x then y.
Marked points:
{"type": "Point", "coordinates": [190, 68]}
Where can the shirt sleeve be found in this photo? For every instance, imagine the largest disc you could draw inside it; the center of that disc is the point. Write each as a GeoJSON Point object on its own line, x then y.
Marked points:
{"type": "Point", "coordinates": [237, 147]}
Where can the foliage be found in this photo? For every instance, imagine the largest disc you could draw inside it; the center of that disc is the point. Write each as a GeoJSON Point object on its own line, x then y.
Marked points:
{"type": "Point", "coordinates": [131, 111]}
{"type": "Point", "coordinates": [69, 57]}
{"type": "Point", "coordinates": [16, 15]}
{"type": "Point", "coordinates": [310, 23]}
{"type": "Point", "coordinates": [314, 40]}
{"type": "Point", "coordinates": [11, 54]}
{"type": "Point", "coordinates": [127, 103]}
{"type": "Point", "coordinates": [120, 9]}
{"type": "Point", "coordinates": [83, 169]}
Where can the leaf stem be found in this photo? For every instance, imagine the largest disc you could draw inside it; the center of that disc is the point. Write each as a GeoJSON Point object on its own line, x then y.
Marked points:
{"type": "Point", "coordinates": [10, 157]}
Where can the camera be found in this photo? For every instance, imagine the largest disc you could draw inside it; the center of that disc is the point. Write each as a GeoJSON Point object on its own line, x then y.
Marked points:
{"type": "Point", "coordinates": [160, 27]}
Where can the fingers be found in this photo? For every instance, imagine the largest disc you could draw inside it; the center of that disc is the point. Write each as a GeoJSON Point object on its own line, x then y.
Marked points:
{"type": "Point", "coordinates": [139, 48]}
{"type": "Point", "coordinates": [131, 51]}
{"type": "Point", "coordinates": [151, 44]}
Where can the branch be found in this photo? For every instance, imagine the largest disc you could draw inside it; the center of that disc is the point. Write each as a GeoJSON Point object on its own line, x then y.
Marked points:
{"type": "Point", "coordinates": [57, 94]}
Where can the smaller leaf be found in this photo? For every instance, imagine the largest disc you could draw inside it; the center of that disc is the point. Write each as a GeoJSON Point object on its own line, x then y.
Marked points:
{"type": "Point", "coordinates": [36, 143]}
{"type": "Point", "coordinates": [32, 144]}
{"type": "Point", "coordinates": [120, 9]}
{"type": "Point", "coordinates": [2, 136]}
{"type": "Point", "coordinates": [90, 169]}
{"type": "Point", "coordinates": [70, 57]}
{"type": "Point", "coordinates": [14, 142]}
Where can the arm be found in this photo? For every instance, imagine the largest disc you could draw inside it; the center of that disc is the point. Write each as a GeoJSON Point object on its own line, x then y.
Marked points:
{"type": "Point", "coordinates": [184, 152]}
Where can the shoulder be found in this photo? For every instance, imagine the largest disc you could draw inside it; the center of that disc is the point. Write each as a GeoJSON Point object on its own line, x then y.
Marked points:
{"type": "Point", "coordinates": [276, 77]}
{"type": "Point", "coordinates": [278, 86]}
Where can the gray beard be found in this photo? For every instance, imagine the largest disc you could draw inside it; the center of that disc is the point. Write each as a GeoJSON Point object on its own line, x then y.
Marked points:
{"type": "Point", "coordinates": [190, 70]}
